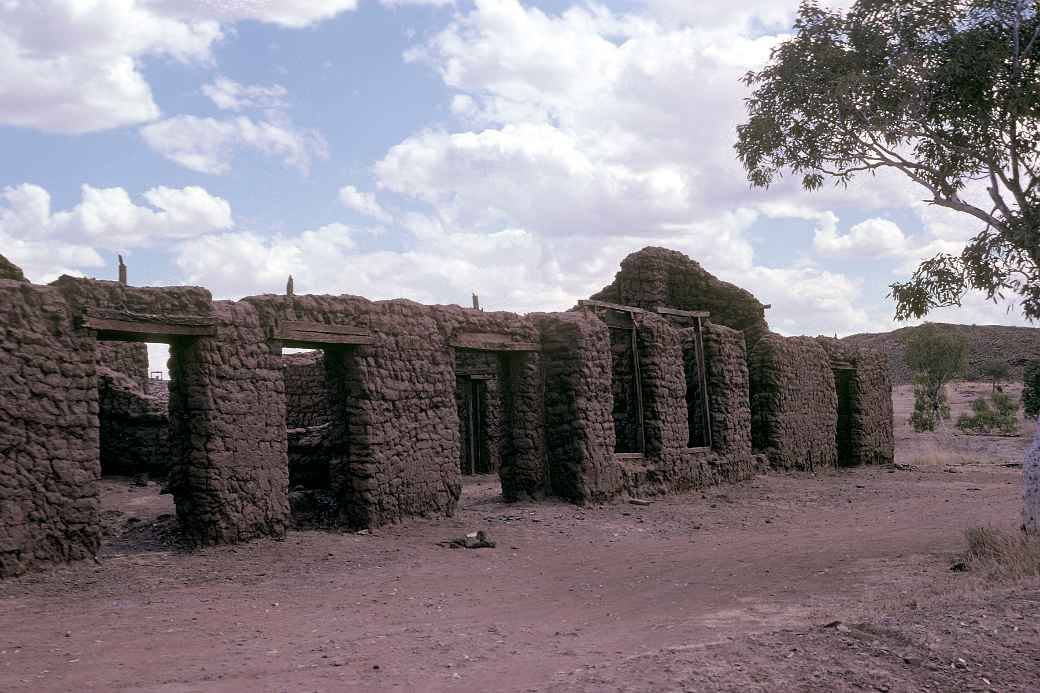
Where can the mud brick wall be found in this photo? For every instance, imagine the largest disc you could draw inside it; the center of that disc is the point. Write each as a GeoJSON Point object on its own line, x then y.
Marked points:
{"type": "Point", "coordinates": [794, 407]}
{"type": "Point", "coordinates": [729, 398]}
{"type": "Point", "coordinates": [158, 301]}
{"type": "Point", "coordinates": [399, 452]}
{"type": "Point", "coordinates": [873, 429]}
{"type": "Point", "coordinates": [664, 387]}
{"type": "Point", "coordinates": [308, 397]}
{"type": "Point", "coordinates": [230, 475]}
{"type": "Point", "coordinates": [655, 277]}
{"type": "Point", "coordinates": [128, 358]}
{"type": "Point", "coordinates": [49, 508]}
{"type": "Point", "coordinates": [579, 427]}
{"type": "Point", "coordinates": [134, 428]}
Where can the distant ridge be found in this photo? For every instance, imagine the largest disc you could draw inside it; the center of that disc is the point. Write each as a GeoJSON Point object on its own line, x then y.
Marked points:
{"type": "Point", "coordinates": [1014, 345]}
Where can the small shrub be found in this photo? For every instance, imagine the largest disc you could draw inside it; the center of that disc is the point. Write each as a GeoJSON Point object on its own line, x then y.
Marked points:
{"type": "Point", "coordinates": [1001, 417]}
{"type": "Point", "coordinates": [935, 355]}
{"type": "Point", "coordinates": [927, 411]}
{"type": "Point", "coordinates": [1003, 555]}
{"type": "Point", "coordinates": [1031, 389]}
{"type": "Point", "coordinates": [996, 372]}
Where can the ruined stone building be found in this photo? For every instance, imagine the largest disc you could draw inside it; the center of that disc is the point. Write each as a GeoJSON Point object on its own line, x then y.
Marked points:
{"type": "Point", "coordinates": [666, 380]}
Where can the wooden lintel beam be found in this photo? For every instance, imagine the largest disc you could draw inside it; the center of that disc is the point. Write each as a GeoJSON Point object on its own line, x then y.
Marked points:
{"type": "Point", "coordinates": [610, 306]}
{"type": "Point", "coordinates": [664, 310]}
{"type": "Point", "coordinates": [314, 340]}
{"type": "Point", "coordinates": [143, 330]}
{"type": "Point", "coordinates": [484, 341]}
{"type": "Point", "coordinates": [322, 328]}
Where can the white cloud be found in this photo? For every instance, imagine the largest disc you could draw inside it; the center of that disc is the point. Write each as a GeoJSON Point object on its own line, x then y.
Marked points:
{"type": "Point", "coordinates": [287, 13]}
{"type": "Point", "coordinates": [73, 67]}
{"type": "Point", "coordinates": [408, 3]}
{"type": "Point", "coordinates": [535, 176]}
{"type": "Point", "coordinates": [47, 243]}
{"type": "Point", "coordinates": [208, 145]}
{"type": "Point", "coordinates": [363, 203]}
{"type": "Point", "coordinates": [229, 95]}
{"type": "Point", "coordinates": [872, 238]}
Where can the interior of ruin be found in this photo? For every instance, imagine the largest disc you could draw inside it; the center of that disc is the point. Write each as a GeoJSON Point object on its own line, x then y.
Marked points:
{"type": "Point", "coordinates": [286, 411]}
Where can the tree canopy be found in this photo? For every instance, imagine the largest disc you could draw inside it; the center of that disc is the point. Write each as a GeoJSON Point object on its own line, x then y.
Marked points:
{"type": "Point", "coordinates": [947, 92]}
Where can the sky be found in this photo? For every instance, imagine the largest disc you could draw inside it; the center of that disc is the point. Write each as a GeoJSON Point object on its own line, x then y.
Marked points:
{"type": "Point", "coordinates": [429, 149]}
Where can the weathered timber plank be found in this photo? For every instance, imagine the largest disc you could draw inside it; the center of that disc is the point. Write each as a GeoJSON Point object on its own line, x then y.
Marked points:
{"type": "Point", "coordinates": [485, 341]}
{"type": "Point", "coordinates": [611, 306]}
{"type": "Point", "coordinates": [137, 330]}
{"type": "Point", "coordinates": [315, 340]}
{"type": "Point", "coordinates": [322, 328]}
{"type": "Point", "coordinates": [664, 310]}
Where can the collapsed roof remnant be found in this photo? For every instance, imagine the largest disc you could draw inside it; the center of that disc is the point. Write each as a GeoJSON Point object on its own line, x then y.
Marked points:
{"type": "Point", "coordinates": [655, 277]}
{"type": "Point", "coordinates": [9, 270]}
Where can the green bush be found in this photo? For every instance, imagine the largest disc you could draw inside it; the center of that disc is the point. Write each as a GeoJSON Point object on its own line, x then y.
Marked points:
{"type": "Point", "coordinates": [1001, 417]}
{"type": "Point", "coordinates": [1031, 389]}
{"type": "Point", "coordinates": [935, 355]}
{"type": "Point", "coordinates": [930, 405]}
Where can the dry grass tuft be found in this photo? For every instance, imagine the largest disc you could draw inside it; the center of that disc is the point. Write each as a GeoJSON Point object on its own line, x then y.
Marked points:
{"type": "Point", "coordinates": [1003, 555]}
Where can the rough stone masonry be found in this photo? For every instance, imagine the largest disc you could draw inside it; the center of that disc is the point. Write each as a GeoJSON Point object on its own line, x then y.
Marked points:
{"type": "Point", "coordinates": [397, 400]}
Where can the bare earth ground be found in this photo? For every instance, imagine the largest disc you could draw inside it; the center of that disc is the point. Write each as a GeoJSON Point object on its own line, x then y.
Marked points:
{"type": "Point", "coordinates": [727, 590]}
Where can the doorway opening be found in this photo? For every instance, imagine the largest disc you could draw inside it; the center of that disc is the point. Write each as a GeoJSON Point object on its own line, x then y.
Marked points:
{"type": "Point", "coordinates": [318, 393]}
{"type": "Point", "coordinates": [136, 439]}
{"type": "Point", "coordinates": [481, 397]}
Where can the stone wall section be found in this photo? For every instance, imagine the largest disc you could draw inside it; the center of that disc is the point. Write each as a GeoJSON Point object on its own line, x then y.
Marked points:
{"type": "Point", "coordinates": [729, 399]}
{"type": "Point", "coordinates": [129, 359]}
{"type": "Point", "coordinates": [49, 508]}
{"type": "Point", "coordinates": [579, 427]}
{"type": "Point", "coordinates": [230, 476]}
{"type": "Point", "coordinates": [793, 403]}
{"type": "Point", "coordinates": [134, 427]}
{"type": "Point", "coordinates": [308, 395]}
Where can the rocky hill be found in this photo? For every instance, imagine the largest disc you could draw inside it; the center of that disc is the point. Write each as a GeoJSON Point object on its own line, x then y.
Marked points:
{"type": "Point", "coordinates": [1013, 345]}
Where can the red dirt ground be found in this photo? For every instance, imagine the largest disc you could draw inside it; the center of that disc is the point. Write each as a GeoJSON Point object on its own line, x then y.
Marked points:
{"type": "Point", "coordinates": [726, 590]}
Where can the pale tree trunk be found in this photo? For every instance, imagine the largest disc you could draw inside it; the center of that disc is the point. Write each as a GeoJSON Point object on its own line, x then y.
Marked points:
{"type": "Point", "coordinates": [1031, 472]}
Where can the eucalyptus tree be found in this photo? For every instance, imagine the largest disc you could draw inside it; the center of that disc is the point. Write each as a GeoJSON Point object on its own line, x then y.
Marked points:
{"type": "Point", "coordinates": [947, 94]}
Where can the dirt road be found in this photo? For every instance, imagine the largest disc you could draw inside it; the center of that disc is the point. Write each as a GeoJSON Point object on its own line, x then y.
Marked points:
{"type": "Point", "coordinates": [570, 599]}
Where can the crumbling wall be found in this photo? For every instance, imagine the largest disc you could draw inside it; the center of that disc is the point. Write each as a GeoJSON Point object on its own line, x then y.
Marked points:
{"type": "Point", "coordinates": [400, 448]}
{"type": "Point", "coordinates": [729, 398]}
{"type": "Point", "coordinates": [579, 427]}
{"type": "Point", "coordinates": [794, 407]}
{"type": "Point", "coordinates": [49, 508]}
{"type": "Point", "coordinates": [655, 277]}
{"type": "Point", "coordinates": [134, 428]}
{"type": "Point", "coordinates": [129, 359]}
{"type": "Point", "coordinates": [230, 475]}
{"type": "Point", "coordinates": [309, 400]}
{"type": "Point", "coordinates": [83, 294]}
{"type": "Point", "coordinates": [873, 429]}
